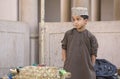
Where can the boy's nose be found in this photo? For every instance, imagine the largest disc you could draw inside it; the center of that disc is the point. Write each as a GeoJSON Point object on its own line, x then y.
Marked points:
{"type": "Point", "coordinates": [75, 23]}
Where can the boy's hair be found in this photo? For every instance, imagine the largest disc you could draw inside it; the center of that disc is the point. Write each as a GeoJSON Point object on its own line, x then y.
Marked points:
{"type": "Point", "coordinates": [85, 16]}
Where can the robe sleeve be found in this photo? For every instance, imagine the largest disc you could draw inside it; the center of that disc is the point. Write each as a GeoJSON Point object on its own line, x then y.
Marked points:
{"type": "Point", "coordinates": [94, 45]}
{"type": "Point", "coordinates": [64, 42]}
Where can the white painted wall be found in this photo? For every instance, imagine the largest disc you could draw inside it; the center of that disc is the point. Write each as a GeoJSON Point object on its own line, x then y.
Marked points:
{"type": "Point", "coordinates": [8, 10]}
{"type": "Point", "coordinates": [28, 13]}
{"type": "Point", "coordinates": [106, 32]}
{"type": "Point", "coordinates": [14, 45]}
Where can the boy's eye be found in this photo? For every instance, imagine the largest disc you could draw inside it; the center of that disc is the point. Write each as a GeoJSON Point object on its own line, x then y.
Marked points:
{"type": "Point", "coordinates": [73, 19]}
{"type": "Point", "coordinates": [78, 19]}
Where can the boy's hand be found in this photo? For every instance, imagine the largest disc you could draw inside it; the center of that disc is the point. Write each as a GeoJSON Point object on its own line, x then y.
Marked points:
{"type": "Point", "coordinates": [93, 58]}
{"type": "Point", "coordinates": [63, 55]}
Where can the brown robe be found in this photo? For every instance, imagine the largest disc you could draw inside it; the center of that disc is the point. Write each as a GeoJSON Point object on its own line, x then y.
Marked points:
{"type": "Point", "coordinates": [79, 47]}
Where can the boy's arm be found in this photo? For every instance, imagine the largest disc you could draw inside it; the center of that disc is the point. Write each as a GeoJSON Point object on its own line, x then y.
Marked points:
{"type": "Point", "coordinates": [94, 47]}
{"type": "Point", "coordinates": [63, 55]}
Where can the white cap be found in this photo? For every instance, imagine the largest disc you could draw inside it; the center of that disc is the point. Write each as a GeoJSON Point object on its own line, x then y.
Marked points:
{"type": "Point", "coordinates": [79, 11]}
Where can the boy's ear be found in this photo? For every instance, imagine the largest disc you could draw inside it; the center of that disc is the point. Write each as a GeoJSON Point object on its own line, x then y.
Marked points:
{"type": "Point", "coordinates": [86, 20]}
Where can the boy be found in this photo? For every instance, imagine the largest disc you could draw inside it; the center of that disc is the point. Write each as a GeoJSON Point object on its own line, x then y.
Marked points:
{"type": "Point", "coordinates": [79, 47]}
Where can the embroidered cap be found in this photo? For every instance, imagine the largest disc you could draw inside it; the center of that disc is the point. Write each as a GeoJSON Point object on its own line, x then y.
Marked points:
{"type": "Point", "coordinates": [79, 11]}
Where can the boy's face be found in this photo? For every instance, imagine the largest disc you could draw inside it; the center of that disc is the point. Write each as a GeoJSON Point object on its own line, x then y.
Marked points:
{"type": "Point", "coordinates": [79, 22]}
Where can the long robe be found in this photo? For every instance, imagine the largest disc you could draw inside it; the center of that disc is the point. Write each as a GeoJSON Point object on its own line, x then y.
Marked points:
{"type": "Point", "coordinates": [79, 47]}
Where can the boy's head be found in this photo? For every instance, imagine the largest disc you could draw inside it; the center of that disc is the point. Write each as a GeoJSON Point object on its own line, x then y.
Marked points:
{"type": "Point", "coordinates": [79, 17]}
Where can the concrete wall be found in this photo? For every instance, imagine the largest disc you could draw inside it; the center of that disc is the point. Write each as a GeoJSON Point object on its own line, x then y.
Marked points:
{"type": "Point", "coordinates": [107, 33]}
{"type": "Point", "coordinates": [52, 10]}
{"type": "Point", "coordinates": [116, 9]}
{"type": "Point", "coordinates": [14, 45]}
{"type": "Point", "coordinates": [107, 10]}
{"type": "Point", "coordinates": [28, 13]}
{"type": "Point", "coordinates": [9, 10]}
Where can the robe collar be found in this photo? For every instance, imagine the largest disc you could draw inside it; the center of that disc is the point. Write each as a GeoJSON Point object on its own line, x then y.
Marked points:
{"type": "Point", "coordinates": [81, 29]}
